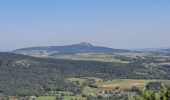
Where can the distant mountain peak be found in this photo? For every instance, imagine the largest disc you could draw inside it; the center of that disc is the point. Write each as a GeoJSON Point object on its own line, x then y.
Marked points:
{"type": "Point", "coordinates": [83, 47]}
{"type": "Point", "coordinates": [85, 44]}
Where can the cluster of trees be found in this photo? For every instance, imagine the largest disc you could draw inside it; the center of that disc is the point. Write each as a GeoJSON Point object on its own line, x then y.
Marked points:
{"type": "Point", "coordinates": [24, 75]}
{"type": "Point", "coordinates": [153, 91]}
{"type": "Point", "coordinates": [113, 97]}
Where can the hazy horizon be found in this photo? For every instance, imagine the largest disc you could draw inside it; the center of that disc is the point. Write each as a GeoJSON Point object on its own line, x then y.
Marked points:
{"type": "Point", "coordinates": [138, 49]}
{"type": "Point", "coordinates": [117, 24]}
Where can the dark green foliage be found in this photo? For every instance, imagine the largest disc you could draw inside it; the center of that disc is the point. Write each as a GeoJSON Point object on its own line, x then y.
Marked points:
{"type": "Point", "coordinates": [89, 82]}
{"type": "Point", "coordinates": [113, 97]}
{"type": "Point", "coordinates": [145, 94]}
{"type": "Point", "coordinates": [24, 75]}
{"type": "Point", "coordinates": [153, 91]}
{"type": "Point", "coordinates": [154, 86]}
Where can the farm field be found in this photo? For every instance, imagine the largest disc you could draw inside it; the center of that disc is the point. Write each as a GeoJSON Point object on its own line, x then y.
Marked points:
{"type": "Point", "coordinates": [123, 84]}
{"type": "Point", "coordinates": [64, 98]}
{"type": "Point", "coordinates": [92, 57]}
{"type": "Point", "coordinates": [46, 98]}
{"type": "Point", "coordinates": [128, 83]}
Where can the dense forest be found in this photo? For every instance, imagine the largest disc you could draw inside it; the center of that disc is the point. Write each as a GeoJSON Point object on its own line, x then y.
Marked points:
{"type": "Point", "coordinates": [25, 75]}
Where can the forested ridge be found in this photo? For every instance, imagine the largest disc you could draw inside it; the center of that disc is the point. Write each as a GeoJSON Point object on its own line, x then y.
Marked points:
{"type": "Point", "coordinates": [68, 49]}
{"type": "Point", "coordinates": [25, 75]}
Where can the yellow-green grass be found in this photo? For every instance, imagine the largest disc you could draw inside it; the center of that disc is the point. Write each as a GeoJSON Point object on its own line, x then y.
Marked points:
{"type": "Point", "coordinates": [74, 97]}
{"type": "Point", "coordinates": [64, 98]}
{"type": "Point", "coordinates": [127, 83]}
{"type": "Point", "coordinates": [81, 80]}
{"type": "Point", "coordinates": [98, 57]}
{"type": "Point", "coordinates": [92, 91]}
{"type": "Point", "coordinates": [121, 83]}
{"type": "Point", "coordinates": [46, 98]}
{"type": "Point", "coordinates": [97, 80]}
{"type": "Point", "coordinates": [134, 55]}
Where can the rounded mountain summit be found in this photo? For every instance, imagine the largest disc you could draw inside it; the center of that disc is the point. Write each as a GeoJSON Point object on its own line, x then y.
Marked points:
{"type": "Point", "coordinates": [83, 47]}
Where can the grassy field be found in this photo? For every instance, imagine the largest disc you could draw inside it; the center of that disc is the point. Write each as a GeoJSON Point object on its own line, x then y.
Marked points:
{"type": "Point", "coordinates": [128, 83]}
{"type": "Point", "coordinates": [92, 91]}
{"type": "Point", "coordinates": [121, 83]}
{"type": "Point", "coordinates": [46, 98]}
{"type": "Point", "coordinates": [102, 86]}
{"type": "Point", "coordinates": [93, 57]}
{"type": "Point", "coordinates": [64, 98]}
{"type": "Point", "coordinates": [97, 80]}
{"type": "Point", "coordinates": [124, 83]}
{"type": "Point", "coordinates": [133, 55]}
{"type": "Point", "coordinates": [81, 80]}
{"type": "Point", "coordinates": [74, 97]}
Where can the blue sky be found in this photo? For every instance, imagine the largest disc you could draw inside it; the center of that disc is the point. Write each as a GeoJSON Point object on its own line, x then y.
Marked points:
{"type": "Point", "coordinates": [112, 23]}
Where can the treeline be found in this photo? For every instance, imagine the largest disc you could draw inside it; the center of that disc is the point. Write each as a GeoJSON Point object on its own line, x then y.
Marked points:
{"type": "Point", "coordinates": [25, 75]}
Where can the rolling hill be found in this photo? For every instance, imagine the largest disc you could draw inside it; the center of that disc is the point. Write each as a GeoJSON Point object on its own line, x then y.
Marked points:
{"type": "Point", "coordinates": [26, 75]}
{"type": "Point", "coordinates": [67, 49]}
